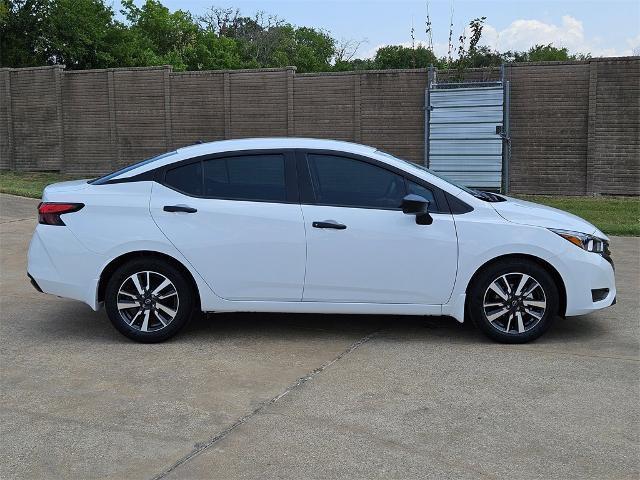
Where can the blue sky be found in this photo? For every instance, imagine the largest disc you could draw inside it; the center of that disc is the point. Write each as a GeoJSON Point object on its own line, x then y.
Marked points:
{"type": "Point", "coordinates": [602, 28]}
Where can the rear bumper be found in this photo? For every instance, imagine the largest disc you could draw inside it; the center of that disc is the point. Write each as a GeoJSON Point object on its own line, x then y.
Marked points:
{"type": "Point", "coordinates": [59, 265]}
{"type": "Point", "coordinates": [34, 283]}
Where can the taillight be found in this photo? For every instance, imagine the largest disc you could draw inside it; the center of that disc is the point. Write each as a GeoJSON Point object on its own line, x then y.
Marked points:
{"type": "Point", "coordinates": [49, 212]}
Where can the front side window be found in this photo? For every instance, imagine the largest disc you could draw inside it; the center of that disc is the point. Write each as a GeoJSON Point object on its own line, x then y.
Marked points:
{"type": "Point", "coordinates": [347, 182]}
{"type": "Point", "coordinates": [424, 192]}
{"type": "Point", "coordinates": [251, 177]}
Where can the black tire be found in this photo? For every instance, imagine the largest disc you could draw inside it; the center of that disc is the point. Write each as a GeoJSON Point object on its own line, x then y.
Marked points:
{"type": "Point", "coordinates": [184, 301]}
{"type": "Point", "coordinates": [500, 329]}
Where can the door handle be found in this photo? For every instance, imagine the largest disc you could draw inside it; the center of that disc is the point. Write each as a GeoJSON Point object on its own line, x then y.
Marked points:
{"type": "Point", "coordinates": [179, 208]}
{"type": "Point", "coordinates": [329, 224]}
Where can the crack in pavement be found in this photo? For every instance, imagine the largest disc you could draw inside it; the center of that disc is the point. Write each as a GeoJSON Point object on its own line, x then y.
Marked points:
{"type": "Point", "coordinates": [201, 447]}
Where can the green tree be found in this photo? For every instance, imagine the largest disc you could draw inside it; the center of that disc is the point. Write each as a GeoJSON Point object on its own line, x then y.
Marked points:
{"type": "Point", "coordinates": [398, 56]}
{"type": "Point", "coordinates": [77, 33]}
{"type": "Point", "coordinates": [70, 32]}
{"type": "Point", "coordinates": [482, 57]}
{"type": "Point", "coordinates": [22, 25]}
{"type": "Point", "coordinates": [354, 65]}
{"type": "Point", "coordinates": [84, 34]}
{"type": "Point", "coordinates": [267, 41]}
{"type": "Point", "coordinates": [544, 53]}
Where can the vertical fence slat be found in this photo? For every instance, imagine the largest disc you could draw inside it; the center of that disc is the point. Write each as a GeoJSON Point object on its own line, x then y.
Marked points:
{"type": "Point", "coordinates": [227, 105]}
{"type": "Point", "coordinates": [11, 162]}
{"type": "Point", "coordinates": [113, 125]}
{"type": "Point", "coordinates": [357, 109]}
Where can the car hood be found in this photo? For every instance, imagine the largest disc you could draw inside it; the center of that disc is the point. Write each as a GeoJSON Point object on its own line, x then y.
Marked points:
{"type": "Point", "coordinates": [530, 213]}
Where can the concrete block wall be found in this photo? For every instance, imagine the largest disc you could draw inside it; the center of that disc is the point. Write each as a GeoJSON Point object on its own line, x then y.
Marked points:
{"type": "Point", "coordinates": [614, 128]}
{"type": "Point", "coordinates": [32, 118]}
{"type": "Point", "coordinates": [197, 109]}
{"type": "Point", "coordinates": [327, 106]}
{"type": "Point", "coordinates": [6, 127]}
{"type": "Point", "coordinates": [549, 126]}
{"type": "Point", "coordinates": [575, 126]}
{"type": "Point", "coordinates": [258, 104]}
{"type": "Point", "coordinates": [88, 145]}
{"type": "Point", "coordinates": [392, 111]}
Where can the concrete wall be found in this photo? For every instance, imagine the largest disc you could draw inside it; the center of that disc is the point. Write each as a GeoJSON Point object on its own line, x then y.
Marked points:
{"type": "Point", "coordinates": [575, 126]}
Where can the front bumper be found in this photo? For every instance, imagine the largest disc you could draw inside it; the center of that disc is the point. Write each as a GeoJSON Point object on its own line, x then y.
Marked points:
{"type": "Point", "coordinates": [583, 273]}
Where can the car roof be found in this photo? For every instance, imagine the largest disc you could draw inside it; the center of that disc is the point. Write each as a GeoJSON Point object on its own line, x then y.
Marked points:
{"type": "Point", "coordinates": [241, 144]}
{"type": "Point", "coordinates": [272, 142]}
{"type": "Point", "coordinates": [246, 144]}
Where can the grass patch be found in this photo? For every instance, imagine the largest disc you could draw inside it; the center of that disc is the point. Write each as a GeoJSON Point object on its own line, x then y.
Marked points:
{"type": "Point", "coordinates": [612, 215]}
{"type": "Point", "coordinates": [29, 184]}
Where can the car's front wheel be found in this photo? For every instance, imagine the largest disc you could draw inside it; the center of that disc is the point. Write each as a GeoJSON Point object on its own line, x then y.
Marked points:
{"type": "Point", "coordinates": [514, 301]}
{"type": "Point", "coordinates": [148, 300]}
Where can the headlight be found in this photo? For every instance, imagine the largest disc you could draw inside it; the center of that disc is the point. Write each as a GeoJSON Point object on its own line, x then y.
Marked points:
{"type": "Point", "coordinates": [582, 240]}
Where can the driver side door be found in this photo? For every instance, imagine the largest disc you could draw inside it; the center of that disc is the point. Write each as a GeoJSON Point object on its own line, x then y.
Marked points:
{"type": "Point", "coordinates": [360, 246]}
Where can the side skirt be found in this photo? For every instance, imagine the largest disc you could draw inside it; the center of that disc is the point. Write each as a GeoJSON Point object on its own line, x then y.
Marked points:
{"type": "Point", "coordinates": [331, 308]}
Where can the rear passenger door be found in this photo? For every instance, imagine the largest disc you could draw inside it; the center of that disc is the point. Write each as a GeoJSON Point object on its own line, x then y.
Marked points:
{"type": "Point", "coordinates": [238, 221]}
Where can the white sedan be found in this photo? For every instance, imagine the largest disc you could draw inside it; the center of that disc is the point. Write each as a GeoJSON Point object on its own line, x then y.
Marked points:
{"type": "Point", "coordinates": [311, 226]}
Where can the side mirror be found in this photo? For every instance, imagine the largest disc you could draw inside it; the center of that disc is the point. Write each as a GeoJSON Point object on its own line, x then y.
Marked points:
{"type": "Point", "coordinates": [416, 205]}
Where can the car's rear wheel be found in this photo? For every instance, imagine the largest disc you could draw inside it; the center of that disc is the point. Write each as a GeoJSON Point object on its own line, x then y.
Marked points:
{"type": "Point", "coordinates": [513, 301]}
{"type": "Point", "coordinates": [148, 300]}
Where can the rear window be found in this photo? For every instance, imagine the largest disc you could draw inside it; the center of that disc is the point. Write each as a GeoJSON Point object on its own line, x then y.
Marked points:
{"type": "Point", "coordinates": [251, 177]}
{"type": "Point", "coordinates": [186, 179]}
{"type": "Point", "coordinates": [110, 176]}
{"type": "Point", "coordinates": [259, 178]}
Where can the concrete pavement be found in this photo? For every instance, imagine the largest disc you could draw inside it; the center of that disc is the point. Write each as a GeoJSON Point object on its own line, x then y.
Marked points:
{"type": "Point", "coordinates": [311, 396]}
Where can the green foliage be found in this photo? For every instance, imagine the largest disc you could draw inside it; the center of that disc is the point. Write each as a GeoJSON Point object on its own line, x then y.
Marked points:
{"type": "Point", "coordinates": [612, 215]}
{"type": "Point", "coordinates": [29, 184]}
{"type": "Point", "coordinates": [83, 34]}
{"type": "Point", "coordinates": [483, 57]}
{"type": "Point", "coordinates": [70, 32]}
{"type": "Point", "coordinates": [397, 56]}
{"type": "Point", "coordinates": [543, 53]}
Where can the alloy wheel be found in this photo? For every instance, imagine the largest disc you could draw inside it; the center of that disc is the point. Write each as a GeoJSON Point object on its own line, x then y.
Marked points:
{"type": "Point", "coordinates": [148, 301]}
{"type": "Point", "coordinates": [514, 303]}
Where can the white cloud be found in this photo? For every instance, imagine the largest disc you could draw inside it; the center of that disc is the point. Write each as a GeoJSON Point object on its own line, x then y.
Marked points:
{"type": "Point", "coordinates": [634, 45]}
{"type": "Point", "coordinates": [523, 34]}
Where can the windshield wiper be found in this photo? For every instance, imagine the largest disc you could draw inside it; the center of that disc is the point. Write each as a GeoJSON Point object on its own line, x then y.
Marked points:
{"type": "Point", "coordinates": [488, 196]}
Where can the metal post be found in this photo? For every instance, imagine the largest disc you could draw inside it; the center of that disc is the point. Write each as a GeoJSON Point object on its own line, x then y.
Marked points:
{"type": "Point", "coordinates": [427, 113]}
{"type": "Point", "coordinates": [506, 126]}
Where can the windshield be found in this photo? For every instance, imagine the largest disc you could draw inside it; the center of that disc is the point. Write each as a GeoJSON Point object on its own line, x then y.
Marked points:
{"type": "Point", "coordinates": [109, 176]}
{"type": "Point", "coordinates": [486, 196]}
{"type": "Point", "coordinates": [422, 167]}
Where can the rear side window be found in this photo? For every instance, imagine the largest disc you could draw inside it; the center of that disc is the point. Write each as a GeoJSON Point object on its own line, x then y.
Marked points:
{"type": "Point", "coordinates": [347, 182]}
{"type": "Point", "coordinates": [251, 177]}
{"type": "Point", "coordinates": [110, 176]}
{"type": "Point", "coordinates": [186, 179]}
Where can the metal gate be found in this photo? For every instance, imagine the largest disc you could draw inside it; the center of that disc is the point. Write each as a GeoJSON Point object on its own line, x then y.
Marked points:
{"type": "Point", "coordinates": [467, 132]}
